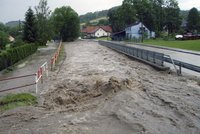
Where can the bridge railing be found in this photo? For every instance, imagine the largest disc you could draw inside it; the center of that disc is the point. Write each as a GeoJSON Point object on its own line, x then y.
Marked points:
{"type": "Point", "coordinates": [181, 64]}
{"type": "Point", "coordinates": [155, 59]}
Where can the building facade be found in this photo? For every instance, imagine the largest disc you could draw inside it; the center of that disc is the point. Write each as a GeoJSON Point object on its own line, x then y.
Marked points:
{"type": "Point", "coordinates": [96, 31]}
{"type": "Point", "coordinates": [137, 31]}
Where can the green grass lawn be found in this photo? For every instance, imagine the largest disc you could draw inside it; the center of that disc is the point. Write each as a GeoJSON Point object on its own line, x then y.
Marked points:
{"type": "Point", "coordinates": [15, 100]}
{"type": "Point", "coordinates": [187, 44]}
{"type": "Point", "coordinates": [104, 38]}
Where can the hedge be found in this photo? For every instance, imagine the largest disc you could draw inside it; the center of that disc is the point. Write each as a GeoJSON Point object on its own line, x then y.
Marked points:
{"type": "Point", "coordinates": [13, 55]}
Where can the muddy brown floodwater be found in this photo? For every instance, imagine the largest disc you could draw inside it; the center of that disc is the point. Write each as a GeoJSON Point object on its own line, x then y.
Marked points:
{"type": "Point", "coordinates": [99, 91]}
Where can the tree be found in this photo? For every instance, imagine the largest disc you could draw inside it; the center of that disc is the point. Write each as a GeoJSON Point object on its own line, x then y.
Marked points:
{"type": "Point", "coordinates": [128, 13]}
{"type": "Point", "coordinates": [119, 17]}
{"type": "Point", "coordinates": [2, 27]}
{"type": "Point", "coordinates": [66, 23]}
{"type": "Point", "coordinates": [193, 20]}
{"type": "Point", "coordinates": [43, 23]}
{"type": "Point", "coordinates": [103, 22]}
{"type": "Point", "coordinates": [173, 19]}
{"type": "Point", "coordinates": [154, 14]}
{"type": "Point", "coordinates": [30, 31]}
{"type": "Point", "coordinates": [116, 19]}
{"type": "Point", "coordinates": [3, 39]}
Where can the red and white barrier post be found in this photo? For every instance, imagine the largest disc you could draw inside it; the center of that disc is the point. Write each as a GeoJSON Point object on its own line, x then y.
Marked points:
{"type": "Point", "coordinates": [39, 74]}
{"type": "Point", "coordinates": [55, 57]}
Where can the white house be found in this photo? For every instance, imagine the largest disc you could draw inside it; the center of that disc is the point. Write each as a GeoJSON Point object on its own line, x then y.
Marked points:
{"type": "Point", "coordinates": [11, 39]}
{"type": "Point", "coordinates": [135, 31]}
{"type": "Point", "coordinates": [100, 33]}
{"type": "Point", "coordinates": [96, 31]}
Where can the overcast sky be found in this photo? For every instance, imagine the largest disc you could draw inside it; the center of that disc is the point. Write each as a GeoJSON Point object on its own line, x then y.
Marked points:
{"type": "Point", "coordinates": [15, 9]}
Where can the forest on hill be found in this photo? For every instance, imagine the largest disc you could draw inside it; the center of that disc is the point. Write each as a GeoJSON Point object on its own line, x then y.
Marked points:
{"type": "Point", "coordinates": [97, 15]}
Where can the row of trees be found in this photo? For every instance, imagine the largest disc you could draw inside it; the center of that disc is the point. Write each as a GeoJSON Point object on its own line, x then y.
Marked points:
{"type": "Point", "coordinates": [193, 21]}
{"type": "Point", "coordinates": [5, 31]}
{"type": "Point", "coordinates": [91, 16]}
{"type": "Point", "coordinates": [157, 15]}
{"type": "Point", "coordinates": [44, 25]}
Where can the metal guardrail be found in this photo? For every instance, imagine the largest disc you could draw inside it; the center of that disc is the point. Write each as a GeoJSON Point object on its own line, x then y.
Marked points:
{"type": "Point", "coordinates": [153, 58]}
{"type": "Point", "coordinates": [183, 64]}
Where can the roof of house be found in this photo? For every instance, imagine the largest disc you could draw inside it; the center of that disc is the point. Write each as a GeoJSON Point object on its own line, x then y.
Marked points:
{"type": "Point", "coordinates": [137, 23]}
{"type": "Point", "coordinates": [119, 33]}
{"type": "Point", "coordinates": [134, 24]}
{"type": "Point", "coordinates": [93, 29]}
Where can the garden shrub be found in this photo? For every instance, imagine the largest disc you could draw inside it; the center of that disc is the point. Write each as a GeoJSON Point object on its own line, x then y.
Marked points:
{"type": "Point", "coordinates": [11, 56]}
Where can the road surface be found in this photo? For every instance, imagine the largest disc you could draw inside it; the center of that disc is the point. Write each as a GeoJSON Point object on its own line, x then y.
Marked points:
{"type": "Point", "coordinates": [177, 55]}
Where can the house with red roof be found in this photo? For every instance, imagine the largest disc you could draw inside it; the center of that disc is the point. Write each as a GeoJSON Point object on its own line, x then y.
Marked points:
{"type": "Point", "coordinates": [96, 31]}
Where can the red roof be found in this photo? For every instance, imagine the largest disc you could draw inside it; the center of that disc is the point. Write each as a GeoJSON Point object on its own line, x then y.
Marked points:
{"type": "Point", "coordinates": [107, 28]}
{"type": "Point", "coordinates": [93, 29]}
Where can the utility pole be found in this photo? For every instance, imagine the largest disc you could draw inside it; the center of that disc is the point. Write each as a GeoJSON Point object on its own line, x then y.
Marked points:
{"type": "Point", "coordinates": [142, 27]}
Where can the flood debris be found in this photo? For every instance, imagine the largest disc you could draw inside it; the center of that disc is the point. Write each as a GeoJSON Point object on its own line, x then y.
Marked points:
{"type": "Point", "coordinates": [98, 90]}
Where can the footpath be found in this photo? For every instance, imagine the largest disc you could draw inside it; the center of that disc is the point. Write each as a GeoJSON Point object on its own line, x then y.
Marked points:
{"type": "Point", "coordinates": [29, 66]}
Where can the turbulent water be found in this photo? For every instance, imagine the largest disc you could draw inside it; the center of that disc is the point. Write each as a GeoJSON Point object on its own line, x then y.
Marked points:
{"type": "Point", "coordinates": [99, 91]}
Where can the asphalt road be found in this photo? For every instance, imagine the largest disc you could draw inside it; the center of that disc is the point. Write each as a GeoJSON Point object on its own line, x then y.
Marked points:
{"type": "Point", "coordinates": [185, 56]}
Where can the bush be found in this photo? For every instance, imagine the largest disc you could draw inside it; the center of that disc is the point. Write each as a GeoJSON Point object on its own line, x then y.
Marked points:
{"type": "Point", "coordinates": [18, 43]}
{"type": "Point", "coordinates": [3, 40]}
{"type": "Point", "coordinates": [13, 55]}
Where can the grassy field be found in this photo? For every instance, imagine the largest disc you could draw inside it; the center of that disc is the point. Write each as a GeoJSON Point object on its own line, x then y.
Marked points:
{"type": "Point", "coordinates": [104, 38]}
{"type": "Point", "coordinates": [15, 100]}
{"type": "Point", "coordinates": [188, 44]}
{"type": "Point", "coordinates": [96, 20]}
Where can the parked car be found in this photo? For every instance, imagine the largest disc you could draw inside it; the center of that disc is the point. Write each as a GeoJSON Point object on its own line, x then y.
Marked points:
{"type": "Point", "coordinates": [188, 36]}
{"type": "Point", "coordinates": [179, 37]}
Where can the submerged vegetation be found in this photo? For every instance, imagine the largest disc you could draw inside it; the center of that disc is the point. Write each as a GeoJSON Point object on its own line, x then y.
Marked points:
{"type": "Point", "coordinates": [15, 100]}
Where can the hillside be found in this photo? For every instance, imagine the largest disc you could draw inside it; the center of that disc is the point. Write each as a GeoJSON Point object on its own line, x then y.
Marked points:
{"type": "Point", "coordinates": [184, 14]}
{"type": "Point", "coordinates": [14, 23]}
{"type": "Point", "coordinates": [93, 16]}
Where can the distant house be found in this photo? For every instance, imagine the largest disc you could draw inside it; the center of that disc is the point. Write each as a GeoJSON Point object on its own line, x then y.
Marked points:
{"type": "Point", "coordinates": [184, 25]}
{"type": "Point", "coordinates": [135, 31]}
{"type": "Point", "coordinates": [119, 35]}
{"type": "Point", "coordinates": [11, 39]}
{"type": "Point", "coordinates": [96, 31]}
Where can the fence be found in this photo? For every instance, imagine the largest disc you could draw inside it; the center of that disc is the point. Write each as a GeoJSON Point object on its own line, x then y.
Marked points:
{"type": "Point", "coordinates": [153, 58]}
{"type": "Point", "coordinates": [38, 76]}
{"type": "Point", "coordinates": [18, 77]}
{"type": "Point", "coordinates": [181, 64]}
{"type": "Point", "coordinates": [55, 57]}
